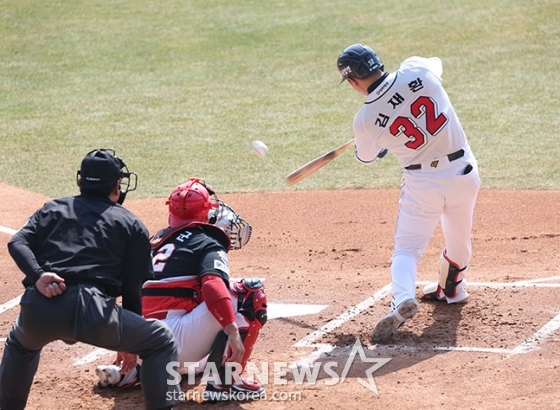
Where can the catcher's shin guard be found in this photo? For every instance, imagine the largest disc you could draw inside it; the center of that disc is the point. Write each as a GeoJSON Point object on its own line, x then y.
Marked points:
{"type": "Point", "coordinates": [251, 303]}
{"type": "Point", "coordinates": [450, 275]}
{"type": "Point", "coordinates": [218, 354]}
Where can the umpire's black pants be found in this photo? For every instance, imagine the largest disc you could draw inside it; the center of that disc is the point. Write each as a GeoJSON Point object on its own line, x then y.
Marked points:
{"type": "Point", "coordinates": [84, 314]}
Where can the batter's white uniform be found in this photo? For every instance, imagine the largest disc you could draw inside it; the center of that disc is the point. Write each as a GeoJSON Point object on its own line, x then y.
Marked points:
{"type": "Point", "coordinates": [409, 113]}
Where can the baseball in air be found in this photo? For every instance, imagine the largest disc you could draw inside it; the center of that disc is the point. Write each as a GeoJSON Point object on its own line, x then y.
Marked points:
{"type": "Point", "coordinates": [260, 148]}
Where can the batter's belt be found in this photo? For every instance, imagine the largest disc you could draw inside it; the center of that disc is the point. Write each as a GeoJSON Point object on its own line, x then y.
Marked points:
{"type": "Point", "coordinates": [451, 157]}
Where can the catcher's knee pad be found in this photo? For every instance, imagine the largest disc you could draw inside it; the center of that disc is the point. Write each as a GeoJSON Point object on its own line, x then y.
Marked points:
{"type": "Point", "coordinates": [450, 275]}
{"type": "Point", "coordinates": [251, 300]}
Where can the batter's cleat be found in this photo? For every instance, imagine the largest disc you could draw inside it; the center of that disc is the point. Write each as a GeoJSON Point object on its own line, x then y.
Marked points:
{"type": "Point", "coordinates": [387, 327]}
{"type": "Point", "coordinates": [110, 376]}
{"type": "Point", "coordinates": [434, 293]}
{"type": "Point", "coordinates": [246, 390]}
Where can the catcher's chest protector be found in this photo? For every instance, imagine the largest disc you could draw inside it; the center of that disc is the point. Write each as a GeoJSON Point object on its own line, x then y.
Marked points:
{"type": "Point", "coordinates": [179, 293]}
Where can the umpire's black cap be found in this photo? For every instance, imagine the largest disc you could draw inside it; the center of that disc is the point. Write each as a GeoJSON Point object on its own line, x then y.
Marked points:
{"type": "Point", "coordinates": [101, 166]}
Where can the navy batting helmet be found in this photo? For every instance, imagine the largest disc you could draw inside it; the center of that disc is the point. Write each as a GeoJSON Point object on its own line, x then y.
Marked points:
{"type": "Point", "coordinates": [358, 61]}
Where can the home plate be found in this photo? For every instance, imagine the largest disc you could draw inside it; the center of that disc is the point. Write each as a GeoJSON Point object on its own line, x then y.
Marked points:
{"type": "Point", "coordinates": [279, 310]}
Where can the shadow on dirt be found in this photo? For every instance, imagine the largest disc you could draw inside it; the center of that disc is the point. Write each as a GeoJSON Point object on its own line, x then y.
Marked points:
{"type": "Point", "coordinates": [407, 349]}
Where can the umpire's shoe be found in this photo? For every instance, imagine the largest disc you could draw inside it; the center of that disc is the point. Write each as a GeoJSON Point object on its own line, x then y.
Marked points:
{"type": "Point", "coordinates": [387, 327]}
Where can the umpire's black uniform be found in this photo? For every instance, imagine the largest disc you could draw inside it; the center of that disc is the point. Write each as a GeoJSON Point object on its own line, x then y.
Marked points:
{"type": "Point", "coordinates": [102, 251]}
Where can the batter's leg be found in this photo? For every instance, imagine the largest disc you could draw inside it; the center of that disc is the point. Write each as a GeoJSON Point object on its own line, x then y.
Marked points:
{"type": "Point", "coordinates": [418, 217]}
{"type": "Point", "coordinates": [456, 223]}
{"type": "Point", "coordinates": [419, 214]}
{"type": "Point", "coordinates": [451, 286]}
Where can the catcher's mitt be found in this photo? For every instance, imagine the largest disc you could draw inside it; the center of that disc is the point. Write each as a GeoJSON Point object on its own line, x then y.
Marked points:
{"type": "Point", "coordinates": [237, 228]}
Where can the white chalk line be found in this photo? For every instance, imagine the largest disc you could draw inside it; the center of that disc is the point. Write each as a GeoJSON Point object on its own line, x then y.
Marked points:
{"type": "Point", "coordinates": [10, 304]}
{"type": "Point", "coordinates": [539, 280]}
{"type": "Point", "coordinates": [279, 310]}
{"type": "Point", "coordinates": [339, 320]}
{"type": "Point", "coordinates": [275, 310]}
{"type": "Point", "coordinates": [92, 357]}
{"type": "Point", "coordinates": [368, 302]}
{"type": "Point", "coordinates": [529, 344]}
{"type": "Point", "coordinates": [532, 343]}
{"type": "Point", "coordinates": [505, 285]}
{"type": "Point", "coordinates": [526, 346]}
{"type": "Point", "coordinates": [7, 230]}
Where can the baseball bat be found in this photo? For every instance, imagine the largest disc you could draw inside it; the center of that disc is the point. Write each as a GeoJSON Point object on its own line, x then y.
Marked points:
{"type": "Point", "coordinates": [313, 166]}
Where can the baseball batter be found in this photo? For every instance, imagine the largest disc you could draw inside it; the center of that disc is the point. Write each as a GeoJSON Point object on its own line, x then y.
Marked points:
{"type": "Point", "coordinates": [409, 113]}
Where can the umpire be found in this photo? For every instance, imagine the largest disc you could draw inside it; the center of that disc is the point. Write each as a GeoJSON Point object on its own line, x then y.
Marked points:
{"type": "Point", "coordinates": [78, 254]}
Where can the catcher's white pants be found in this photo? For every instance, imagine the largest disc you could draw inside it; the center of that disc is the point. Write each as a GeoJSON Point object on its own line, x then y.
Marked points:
{"type": "Point", "coordinates": [196, 331]}
{"type": "Point", "coordinates": [429, 196]}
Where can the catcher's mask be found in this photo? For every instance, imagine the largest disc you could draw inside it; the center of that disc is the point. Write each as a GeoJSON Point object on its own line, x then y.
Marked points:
{"type": "Point", "coordinates": [192, 202]}
{"type": "Point", "coordinates": [101, 169]}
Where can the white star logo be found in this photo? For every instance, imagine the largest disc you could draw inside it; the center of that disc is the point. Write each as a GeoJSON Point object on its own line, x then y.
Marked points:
{"type": "Point", "coordinates": [370, 384]}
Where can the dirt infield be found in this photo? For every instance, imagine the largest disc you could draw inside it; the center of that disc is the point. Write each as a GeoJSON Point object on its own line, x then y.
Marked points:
{"type": "Point", "coordinates": [333, 248]}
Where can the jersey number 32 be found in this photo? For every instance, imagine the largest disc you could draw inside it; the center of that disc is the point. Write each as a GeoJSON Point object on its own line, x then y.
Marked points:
{"type": "Point", "coordinates": [423, 106]}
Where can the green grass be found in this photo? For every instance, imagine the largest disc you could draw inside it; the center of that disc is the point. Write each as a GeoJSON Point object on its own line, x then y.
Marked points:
{"type": "Point", "coordinates": [182, 88]}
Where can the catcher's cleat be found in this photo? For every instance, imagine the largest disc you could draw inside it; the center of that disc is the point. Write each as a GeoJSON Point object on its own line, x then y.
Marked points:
{"type": "Point", "coordinates": [247, 390]}
{"type": "Point", "coordinates": [387, 327]}
{"type": "Point", "coordinates": [434, 293]}
{"type": "Point", "coordinates": [110, 376]}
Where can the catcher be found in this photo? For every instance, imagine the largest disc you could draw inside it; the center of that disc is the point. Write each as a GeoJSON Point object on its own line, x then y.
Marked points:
{"type": "Point", "coordinates": [213, 320]}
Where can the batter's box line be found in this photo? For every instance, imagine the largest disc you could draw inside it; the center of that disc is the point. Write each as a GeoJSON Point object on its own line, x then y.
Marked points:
{"type": "Point", "coordinates": [527, 345]}
{"type": "Point", "coordinates": [528, 282]}
{"type": "Point", "coordinates": [7, 230]}
{"type": "Point", "coordinates": [309, 340]}
{"type": "Point", "coordinates": [534, 283]}
{"type": "Point", "coordinates": [10, 304]}
{"type": "Point", "coordinates": [275, 311]}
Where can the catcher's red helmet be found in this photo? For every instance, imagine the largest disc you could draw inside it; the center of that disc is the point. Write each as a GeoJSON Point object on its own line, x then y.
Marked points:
{"type": "Point", "coordinates": [191, 202]}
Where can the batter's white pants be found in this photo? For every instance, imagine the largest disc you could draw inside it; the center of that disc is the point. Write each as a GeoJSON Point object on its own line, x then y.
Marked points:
{"type": "Point", "coordinates": [429, 196]}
